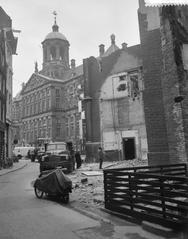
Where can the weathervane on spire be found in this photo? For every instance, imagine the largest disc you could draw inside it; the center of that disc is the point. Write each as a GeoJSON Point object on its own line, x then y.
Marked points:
{"type": "Point", "coordinates": [55, 14]}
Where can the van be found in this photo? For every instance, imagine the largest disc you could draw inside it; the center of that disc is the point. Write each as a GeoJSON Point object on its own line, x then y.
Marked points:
{"type": "Point", "coordinates": [22, 151]}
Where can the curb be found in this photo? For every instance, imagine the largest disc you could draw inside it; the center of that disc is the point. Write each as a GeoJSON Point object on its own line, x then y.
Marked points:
{"type": "Point", "coordinates": [90, 214]}
{"type": "Point", "coordinates": [13, 170]}
{"type": "Point", "coordinates": [121, 216]}
{"type": "Point", "coordinates": [159, 230]}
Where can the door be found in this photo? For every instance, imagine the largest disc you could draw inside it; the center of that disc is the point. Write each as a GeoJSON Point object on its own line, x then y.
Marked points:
{"type": "Point", "coordinates": [129, 148]}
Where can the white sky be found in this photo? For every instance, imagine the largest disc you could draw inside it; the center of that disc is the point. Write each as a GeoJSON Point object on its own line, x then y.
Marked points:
{"type": "Point", "coordinates": [85, 23]}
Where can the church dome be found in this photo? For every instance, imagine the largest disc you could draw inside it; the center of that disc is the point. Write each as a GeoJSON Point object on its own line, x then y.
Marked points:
{"type": "Point", "coordinates": [55, 35]}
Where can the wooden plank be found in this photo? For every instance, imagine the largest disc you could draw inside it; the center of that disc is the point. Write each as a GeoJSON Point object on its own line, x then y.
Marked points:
{"type": "Point", "coordinates": [145, 167]}
{"type": "Point", "coordinates": [144, 216]}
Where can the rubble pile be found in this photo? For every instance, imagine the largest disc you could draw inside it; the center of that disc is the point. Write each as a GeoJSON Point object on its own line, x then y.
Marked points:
{"type": "Point", "coordinates": [87, 181]}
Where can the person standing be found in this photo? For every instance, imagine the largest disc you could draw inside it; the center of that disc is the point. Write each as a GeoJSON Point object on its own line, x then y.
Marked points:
{"type": "Point", "coordinates": [101, 157]}
{"type": "Point", "coordinates": [78, 159]}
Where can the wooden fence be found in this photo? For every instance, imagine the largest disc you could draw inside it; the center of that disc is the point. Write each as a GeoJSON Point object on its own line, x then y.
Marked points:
{"type": "Point", "coordinates": [158, 194]}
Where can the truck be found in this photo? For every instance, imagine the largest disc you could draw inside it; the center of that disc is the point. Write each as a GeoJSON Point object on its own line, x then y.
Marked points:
{"type": "Point", "coordinates": [57, 155]}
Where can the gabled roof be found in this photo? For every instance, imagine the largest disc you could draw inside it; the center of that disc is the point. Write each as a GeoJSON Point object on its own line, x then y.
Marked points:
{"type": "Point", "coordinates": [38, 79]}
{"type": "Point", "coordinates": [110, 50]}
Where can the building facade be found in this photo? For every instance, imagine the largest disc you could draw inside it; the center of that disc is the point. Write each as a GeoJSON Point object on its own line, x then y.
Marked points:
{"type": "Point", "coordinates": [113, 98]}
{"type": "Point", "coordinates": [8, 49]}
{"type": "Point", "coordinates": [17, 118]}
{"type": "Point", "coordinates": [2, 98]}
{"type": "Point", "coordinates": [50, 97]}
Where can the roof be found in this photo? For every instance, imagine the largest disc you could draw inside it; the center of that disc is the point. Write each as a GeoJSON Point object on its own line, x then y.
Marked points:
{"type": "Point", "coordinates": [55, 35]}
{"type": "Point", "coordinates": [110, 50]}
{"type": "Point", "coordinates": [135, 50]}
{"type": "Point", "coordinates": [68, 75]}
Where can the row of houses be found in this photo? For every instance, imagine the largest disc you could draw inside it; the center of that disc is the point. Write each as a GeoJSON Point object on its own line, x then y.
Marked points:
{"type": "Point", "coordinates": [8, 45]}
{"type": "Point", "coordinates": [122, 99]}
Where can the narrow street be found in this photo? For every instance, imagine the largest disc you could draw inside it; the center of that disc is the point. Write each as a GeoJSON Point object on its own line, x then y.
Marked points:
{"type": "Point", "coordinates": [22, 215]}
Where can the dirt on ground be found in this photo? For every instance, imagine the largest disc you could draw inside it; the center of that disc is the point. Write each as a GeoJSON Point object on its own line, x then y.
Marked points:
{"type": "Point", "coordinates": [88, 188]}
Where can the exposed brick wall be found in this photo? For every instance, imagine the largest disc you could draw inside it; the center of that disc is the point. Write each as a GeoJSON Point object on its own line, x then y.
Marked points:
{"type": "Point", "coordinates": [174, 82]}
{"type": "Point", "coordinates": [158, 150]}
{"type": "Point", "coordinates": [165, 79]}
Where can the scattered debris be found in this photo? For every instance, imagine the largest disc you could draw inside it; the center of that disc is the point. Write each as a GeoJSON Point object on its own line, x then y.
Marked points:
{"type": "Point", "coordinates": [89, 191]}
{"type": "Point", "coordinates": [92, 173]}
{"type": "Point", "coordinates": [84, 180]}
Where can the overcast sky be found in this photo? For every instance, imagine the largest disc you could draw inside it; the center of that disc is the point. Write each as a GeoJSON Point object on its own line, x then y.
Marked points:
{"type": "Point", "coordinates": [85, 23]}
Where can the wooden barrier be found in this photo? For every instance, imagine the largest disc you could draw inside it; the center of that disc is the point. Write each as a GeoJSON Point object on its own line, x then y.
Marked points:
{"type": "Point", "coordinates": [158, 193]}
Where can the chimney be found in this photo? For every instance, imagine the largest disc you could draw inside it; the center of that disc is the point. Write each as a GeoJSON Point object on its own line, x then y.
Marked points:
{"type": "Point", "coordinates": [36, 67]}
{"type": "Point", "coordinates": [113, 39]}
{"type": "Point", "coordinates": [124, 45]}
{"type": "Point", "coordinates": [23, 84]}
{"type": "Point", "coordinates": [73, 64]}
{"type": "Point", "coordinates": [101, 50]}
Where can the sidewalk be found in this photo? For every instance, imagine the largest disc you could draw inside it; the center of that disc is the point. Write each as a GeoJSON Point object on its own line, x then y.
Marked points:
{"type": "Point", "coordinates": [16, 166]}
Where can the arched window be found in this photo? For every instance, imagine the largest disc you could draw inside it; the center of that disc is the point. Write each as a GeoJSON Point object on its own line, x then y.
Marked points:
{"type": "Point", "coordinates": [62, 52]}
{"type": "Point", "coordinates": [53, 53]}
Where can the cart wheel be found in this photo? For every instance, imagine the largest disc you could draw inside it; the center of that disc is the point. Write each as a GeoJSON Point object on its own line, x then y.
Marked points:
{"type": "Point", "coordinates": [66, 198]}
{"type": "Point", "coordinates": [38, 193]}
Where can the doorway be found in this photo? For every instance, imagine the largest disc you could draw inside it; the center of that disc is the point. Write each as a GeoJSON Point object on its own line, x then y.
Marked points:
{"type": "Point", "coordinates": [129, 149]}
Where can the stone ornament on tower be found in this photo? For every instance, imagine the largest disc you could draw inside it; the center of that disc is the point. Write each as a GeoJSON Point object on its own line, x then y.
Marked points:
{"type": "Point", "coordinates": [113, 37]}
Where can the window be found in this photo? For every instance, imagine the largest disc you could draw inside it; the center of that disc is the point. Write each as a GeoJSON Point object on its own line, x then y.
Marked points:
{"type": "Point", "coordinates": [43, 105]}
{"type": "Point", "coordinates": [122, 87]}
{"type": "Point", "coordinates": [57, 98]}
{"type": "Point", "coordinates": [122, 78]}
{"type": "Point", "coordinates": [67, 127]}
{"type": "Point", "coordinates": [31, 109]}
{"type": "Point", "coordinates": [58, 127]}
{"type": "Point", "coordinates": [53, 53]}
{"type": "Point", "coordinates": [72, 125]}
{"type": "Point", "coordinates": [47, 91]}
{"type": "Point", "coordinates": [47, 104]}
{"type": "Point", "coordinates": [49, 127]}
{"type": "Point", "coordinates": [27, 113]}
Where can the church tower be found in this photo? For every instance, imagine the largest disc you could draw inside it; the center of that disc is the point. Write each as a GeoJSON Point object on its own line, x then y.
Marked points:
{"type": "Point", "coordinates": [55, 53]}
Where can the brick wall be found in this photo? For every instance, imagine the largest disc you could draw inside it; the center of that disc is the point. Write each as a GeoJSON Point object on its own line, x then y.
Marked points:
{"type": "Point", "coordinates": [174, 80]}
{"type": "Point", "coordinates": [165, 79]}
{"type": "Point", "coordinates": [158, 150]}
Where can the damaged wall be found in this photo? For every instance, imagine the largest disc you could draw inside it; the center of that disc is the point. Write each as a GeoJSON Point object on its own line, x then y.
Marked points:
{"type": "Point", "coordinates": [165, 79]}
